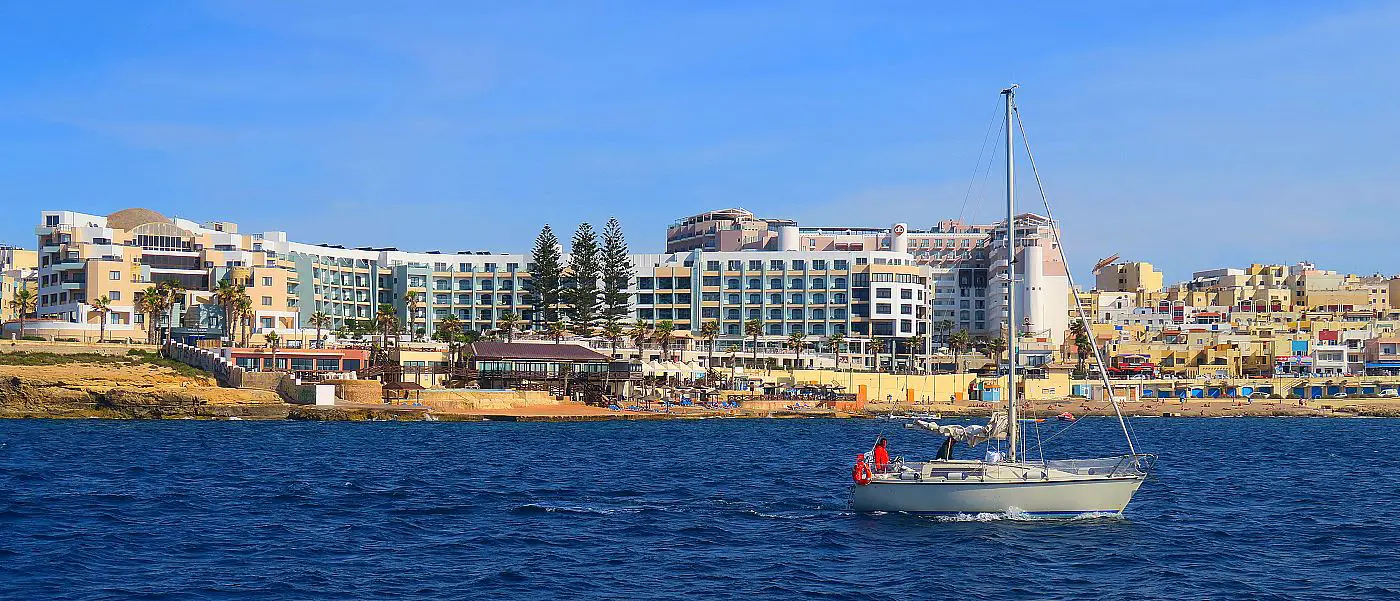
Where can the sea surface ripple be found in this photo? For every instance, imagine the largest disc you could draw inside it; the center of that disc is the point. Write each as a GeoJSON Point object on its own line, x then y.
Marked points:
{"type": "Point", "coordinates": [741, 509]}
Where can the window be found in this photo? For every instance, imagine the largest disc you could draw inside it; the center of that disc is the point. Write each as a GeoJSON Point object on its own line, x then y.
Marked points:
{"type": "Point", "coordinates": [645, 283]}
{"type": "Point", "coordinates": [838, 313]}
{"type": "Point", "coordinates": [906, 294]}
{"type": "Point", "coordinates": [755, 299]}
{"type": "Point", "coordinates": [776, 299]}
{"type": "Point", "coordinates": [906, 309]}
{"type": "Point", "coordinates": [266, 323]}
{"type": "Point", "coordinates": [818, 313]}
{"type": "Point", "coordinates": [838, 283]}
{"type": "Point", "coordinates": [776, 283]}
{"type": "Point", "coordinates": [709, 280]}
{"type": "Point", "coordinates": [755, 265]}
{"type": "Point", "coordinates": [114, 275]}
{"type": "Point", "coordinates": [267, 302]}
{"type": "Point", "coordinates": [731, 314]}
{"type": "Point", "coordinates": [818, 283]}
{"type": "Point", "coordinates": [709, 297]}
{"type": "Point", "coordinates": [775, 314]}
{"type": "Point", "coordinates": [645, 299]}
{"type": "Point", "coordinates": [818, 298]}
{"type": "Point", "coordinates": [115, 295]}
{"type": "Point", "coordinates": [799, 265]}
{"type": "Point", "coordinates": [795, 314]}
{"type": "Point", "coordinates": [797, 284]}
{"type": "Point", "coordinates": [663, 283]}
{"type": "Point", "coordinates": [839, 298]}
{"type": "Point", "coordinates": [712, 312]}
{"type": "Point", "coordinates": [882, 293]}
{"type": "Point", "coordinates": [732, 299]}
{"type": "Point", "coordinates": [712, 266]}
{"type": "Point", "coordinates": [796, 299]}
{"type": "Point", "coordinates": [267, 281]}
{"type": "Point", "coordinates": [731, 284]}
{"type": "Point", "coordinates": [819, 264]}
{"type": "Point", "coordinates": [883, 309]}
{"type": "Point", "coordinates": [734, 265]}
{"type": "Point", "coordinates": [755, 283]}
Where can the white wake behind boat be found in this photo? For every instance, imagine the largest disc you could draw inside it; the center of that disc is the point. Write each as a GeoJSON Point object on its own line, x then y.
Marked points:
{"type": "Point", "coordinates": [1010, 483]}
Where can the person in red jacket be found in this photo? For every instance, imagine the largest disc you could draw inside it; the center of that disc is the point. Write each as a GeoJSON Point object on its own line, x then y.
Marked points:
{"type": "Point", "coordinates": [882, 456]}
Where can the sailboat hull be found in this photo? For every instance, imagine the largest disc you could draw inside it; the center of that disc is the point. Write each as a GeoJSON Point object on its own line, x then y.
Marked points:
{"type": "Point", "coordinates": [1057, 498]}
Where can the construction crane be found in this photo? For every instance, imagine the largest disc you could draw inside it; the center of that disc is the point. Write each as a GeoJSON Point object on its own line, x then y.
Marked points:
{"type": "Point", "coordinates": [1105, 262]}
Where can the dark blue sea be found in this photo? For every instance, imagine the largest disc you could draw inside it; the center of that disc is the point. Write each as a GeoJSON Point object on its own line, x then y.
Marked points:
{"type": "Point", "coordinates": [1238, 509]}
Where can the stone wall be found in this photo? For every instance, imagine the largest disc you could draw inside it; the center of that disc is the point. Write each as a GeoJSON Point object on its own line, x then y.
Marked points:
{"type": "Point", "coordinates": [214, 363]}
{"type": "Point", "coordinates": [478, 400]}
{"type": "Point", "coordinates": [366, 392]}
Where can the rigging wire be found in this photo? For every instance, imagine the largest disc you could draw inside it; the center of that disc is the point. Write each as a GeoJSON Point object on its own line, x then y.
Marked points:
{"type": "Point", "coordinates": [980, 153]}
{"type": "Point", "coordinates": [1078, 304]}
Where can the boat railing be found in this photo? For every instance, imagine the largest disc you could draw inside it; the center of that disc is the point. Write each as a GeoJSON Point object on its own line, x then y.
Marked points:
{"type": "Point", "coordinates": [1139, 464]}
{"type": "Point", "coordinates": [1122, 465]}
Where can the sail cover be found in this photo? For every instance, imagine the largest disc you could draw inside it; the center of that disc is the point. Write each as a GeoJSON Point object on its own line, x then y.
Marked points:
{"type": "Point", "coordinates": [972, 435]}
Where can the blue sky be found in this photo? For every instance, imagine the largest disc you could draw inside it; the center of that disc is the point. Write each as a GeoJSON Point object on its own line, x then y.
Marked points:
{"type": "Point", "coordinates": [1190, 134]}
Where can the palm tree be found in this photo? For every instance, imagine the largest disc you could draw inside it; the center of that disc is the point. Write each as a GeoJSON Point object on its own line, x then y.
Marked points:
{"type": "Point", "coordinates": [173, 294]}
{"type": "Point", "coordinates": [665, 329]}
{"type": "Point", "coordinates": [1079, 331]}
{"type": "Point", "coordinates": [102, 306]}
{"type": "Point", "coordinates": [23, 302]}
{"type": "Point", "coordinates": [753, 328]}
{"type": "Point", "coordinates": [386, 321]}
{"type": "Point", "coordinates": [709, 331]}
{"type": "Point", "coordinates": [413, 299]}
{"type": "Point", "coordinates": [877, 345]}
{"type": "Point", "coordinates": [510, 320]}
{"type": "Point", "coordinates": [613, 332]}
{"type": "Point", "coordinates": [243, 308]}
{"type": "Point", "coordinates": [272, 340]}
{"type": "Point", "coordinates": [795, 342]}
{"type": "Point", "coordinates": [151, 302]}
{"type": "Point", "coordinates": [995, 347]}
{"type": "Point", "coordinates": [448, 330]}
{"type": "Point", "coordinates": [944, 328]}
{"type": "Point", "coordinates": [639, 333]}
{"type": "Point", "coordinates": [960, 341]}
{"type": "Point", "coordinates": [321, 320]}
{"type": "Point", "coordinates": [835, 340]}
{"type": "Point", "coordinates": [226, 295]}
{"type": "Point", "coordinates": [557, 330]}
{"type": "Point", "coordinates": [915, 342]}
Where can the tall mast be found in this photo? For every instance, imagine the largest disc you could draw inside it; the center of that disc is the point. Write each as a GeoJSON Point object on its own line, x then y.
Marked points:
{"type": "Point", "coordinates": [1014, 426]}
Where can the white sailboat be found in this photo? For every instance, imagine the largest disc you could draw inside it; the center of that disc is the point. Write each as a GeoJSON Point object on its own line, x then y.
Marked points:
{"type": "Point", "coordinates": [1013, 483]}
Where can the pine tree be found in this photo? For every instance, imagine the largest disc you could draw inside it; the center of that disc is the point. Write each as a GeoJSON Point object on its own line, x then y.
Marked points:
{"type": "Point", "coordinates": [617, 273]}
{"type": "Point", "coordinates": [545, 276]}
{"type": "Point", "coordinates": [582, 290]}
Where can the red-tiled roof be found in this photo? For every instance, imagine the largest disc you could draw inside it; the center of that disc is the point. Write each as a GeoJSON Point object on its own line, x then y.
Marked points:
{"type": "Point", "coordinates": [535, 350]}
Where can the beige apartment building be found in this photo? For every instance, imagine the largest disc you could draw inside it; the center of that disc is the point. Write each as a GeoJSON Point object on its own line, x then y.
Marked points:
{"type": "Point", "coordinates": [84, 257]}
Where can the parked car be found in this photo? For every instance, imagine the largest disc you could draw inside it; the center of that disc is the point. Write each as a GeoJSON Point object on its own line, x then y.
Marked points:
{"type": "Point", "coordinates": [1259, 395]}
{"type": "Point", "coordinates": [1340, 395]}
{"type": "Point", "coordinates": [1390, 393]}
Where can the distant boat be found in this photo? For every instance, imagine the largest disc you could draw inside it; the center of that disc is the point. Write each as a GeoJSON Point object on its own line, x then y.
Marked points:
{"type": "Point", "coordinates": [1012, 483]}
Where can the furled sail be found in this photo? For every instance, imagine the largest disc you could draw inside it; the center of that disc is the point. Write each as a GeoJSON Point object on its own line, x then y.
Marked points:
{"type": "Point", "coordinates": [972, 435]}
